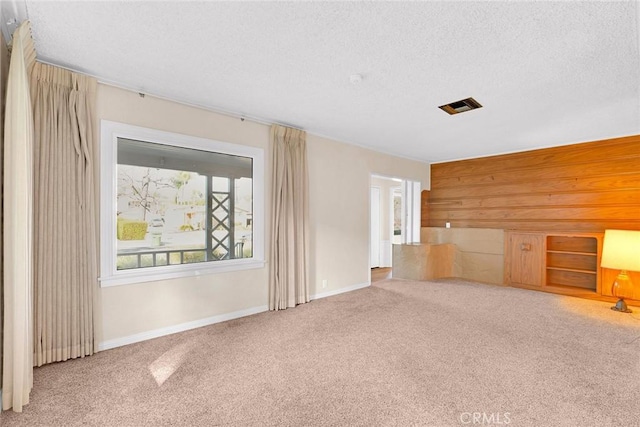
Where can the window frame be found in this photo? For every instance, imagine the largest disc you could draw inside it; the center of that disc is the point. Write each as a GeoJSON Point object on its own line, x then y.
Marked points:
{"type": "Point", "coordinates": [109, 275]}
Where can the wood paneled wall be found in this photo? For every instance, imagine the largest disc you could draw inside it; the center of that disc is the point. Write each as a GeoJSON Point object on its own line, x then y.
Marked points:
{"type": "Point", "coordinates": [581, 187]}
{"type": "Point", "coordinates": [424, 208]}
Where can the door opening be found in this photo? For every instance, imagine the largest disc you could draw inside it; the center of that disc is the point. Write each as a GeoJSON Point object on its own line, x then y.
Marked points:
{"type": "Point", "coordinates": [375, 227]}
{"type": "Point", "coordinates": [395, 217]}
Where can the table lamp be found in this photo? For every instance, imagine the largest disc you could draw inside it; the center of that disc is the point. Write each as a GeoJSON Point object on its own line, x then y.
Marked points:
{"type": "Point", "coordinates": [621, 251]}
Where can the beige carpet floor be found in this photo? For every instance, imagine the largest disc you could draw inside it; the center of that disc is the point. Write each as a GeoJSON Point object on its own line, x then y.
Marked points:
{"type": "Point", "coordinates": [399, 353]}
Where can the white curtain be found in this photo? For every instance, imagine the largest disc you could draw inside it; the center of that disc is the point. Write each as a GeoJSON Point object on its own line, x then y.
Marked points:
{"type": "Point", "coordinates": [288, 278]}
{"type": "Point", "coordinates": [65, 222]}
{"type": "Point", "coordinates": [17, 379]}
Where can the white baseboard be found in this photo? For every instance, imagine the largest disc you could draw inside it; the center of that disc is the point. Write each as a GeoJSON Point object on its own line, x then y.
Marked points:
{"type": "Point", "coordinates": [143, 336]}
{"type": "Point", "coordinates": [156, 333]}
{"type": "Point", "coordinates": [340, 291]}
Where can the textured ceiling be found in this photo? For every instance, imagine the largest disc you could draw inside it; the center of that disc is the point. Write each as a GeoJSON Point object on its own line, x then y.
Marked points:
{"type": "Point", "coordinates": [547, 73]}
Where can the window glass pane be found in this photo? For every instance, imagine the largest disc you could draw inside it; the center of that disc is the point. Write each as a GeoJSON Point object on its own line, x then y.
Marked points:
{"type": "Point", "coordinates": [220, 184]}
{"type": "Point", "coordinates": [193, 256]}
{"type": "Point", "coordinates": [178, 205]}
{"type": "Point", "coordinates": [243, 220]}
{"type": "Point", "coordinates": [161, 259]}
{"type": "Point", "coordinates": [127, 261]}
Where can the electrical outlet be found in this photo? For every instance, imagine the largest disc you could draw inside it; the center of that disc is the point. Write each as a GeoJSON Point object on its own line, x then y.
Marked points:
{"type": "Point", "coordinates": [324, 283]}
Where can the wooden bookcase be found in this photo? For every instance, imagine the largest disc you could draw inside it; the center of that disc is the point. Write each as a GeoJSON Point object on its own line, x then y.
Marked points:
{"type": "Point", "coordinates": [572, 261]}
{"type": "Point", "coordinates": [567, 263]}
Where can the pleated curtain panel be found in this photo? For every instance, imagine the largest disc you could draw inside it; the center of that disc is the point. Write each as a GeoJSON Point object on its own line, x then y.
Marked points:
{"type": "Point", "coordinates": [50, 226]}
{"type": "Point", "coordinates": [288, 278]}
{"type": "Point", "coordinates": [65, 214]}
{"type": "Point", "coordinates": [17, 348]}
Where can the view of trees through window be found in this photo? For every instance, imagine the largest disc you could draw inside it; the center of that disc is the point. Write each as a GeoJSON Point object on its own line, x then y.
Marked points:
{"type": "Point", "coordinates": [168, 216]}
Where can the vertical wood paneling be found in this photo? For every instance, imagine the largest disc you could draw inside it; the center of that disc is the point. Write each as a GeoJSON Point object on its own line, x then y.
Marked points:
{"type": "Point", "coordinates": [581, 187]}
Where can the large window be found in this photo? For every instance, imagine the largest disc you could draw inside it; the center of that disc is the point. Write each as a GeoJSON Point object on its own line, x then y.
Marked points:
{"type": "Point", "coordinates": [174, 205]}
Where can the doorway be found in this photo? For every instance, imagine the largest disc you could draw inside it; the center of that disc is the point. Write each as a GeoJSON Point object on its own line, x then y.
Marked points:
{"type": "Point", "coordinates": [375, 228]}
{"type": "Point", "coordinates": [395, 217]}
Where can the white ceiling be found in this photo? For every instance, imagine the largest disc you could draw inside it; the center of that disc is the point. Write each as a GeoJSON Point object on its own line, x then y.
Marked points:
{"type": "Point", "coordinates": [547, 73]}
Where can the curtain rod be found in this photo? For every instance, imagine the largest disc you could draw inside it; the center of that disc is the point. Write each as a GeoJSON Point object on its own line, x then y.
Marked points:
{"type": "Point", "coordinates": [204, 107]}
{"type": "Point", "coordinates": [200, 106]}
{"type": "Point", "coordinates": [182, 102]}
{"type": "Point", "coordinates": [229, 113]}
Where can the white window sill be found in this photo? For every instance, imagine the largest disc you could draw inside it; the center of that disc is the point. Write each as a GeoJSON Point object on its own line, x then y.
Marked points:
{"type": "Point", "coordinates": [152, 274]}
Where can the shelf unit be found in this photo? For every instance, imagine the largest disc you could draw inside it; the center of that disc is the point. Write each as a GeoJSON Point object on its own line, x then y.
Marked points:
{"type": "Point", "coordinates": [572, 261]}
{"type": "Point", "coordinates": [567, 263]}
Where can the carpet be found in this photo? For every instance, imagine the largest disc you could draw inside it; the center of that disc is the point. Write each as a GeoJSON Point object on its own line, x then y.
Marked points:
{"type": "Point", "coordinates": [398, 353]}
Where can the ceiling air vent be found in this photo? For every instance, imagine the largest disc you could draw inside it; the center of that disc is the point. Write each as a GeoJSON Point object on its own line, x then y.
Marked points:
{"type": "Point", "coordinates": [461, 106]}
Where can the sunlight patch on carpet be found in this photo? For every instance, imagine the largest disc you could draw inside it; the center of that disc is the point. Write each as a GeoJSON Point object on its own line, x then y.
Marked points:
{"type": "Point", "coordinates": [598, 310]}
{"type": "Point", "coordinates": [167, 364]}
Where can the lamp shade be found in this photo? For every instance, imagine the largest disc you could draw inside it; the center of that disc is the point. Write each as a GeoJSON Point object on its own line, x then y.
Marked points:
{"type": "Point", "coordinates": [621, 250]}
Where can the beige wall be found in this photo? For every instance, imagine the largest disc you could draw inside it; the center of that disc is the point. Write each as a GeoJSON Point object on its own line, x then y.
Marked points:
{"type": "Point", "coordinates": [339, 181]}
{"type": "Point", "coordinates": [139, 308]}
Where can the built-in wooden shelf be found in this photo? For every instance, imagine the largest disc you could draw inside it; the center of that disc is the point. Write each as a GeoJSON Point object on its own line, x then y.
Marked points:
{"type": "Point", "coordinates": [567, 263]}
{"type": "Point", "coordinates": [572, 261]}
{"type": "Point", "coordinates": [572, 270]}
{"type": "Point", "coordinates": [572, 253]}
